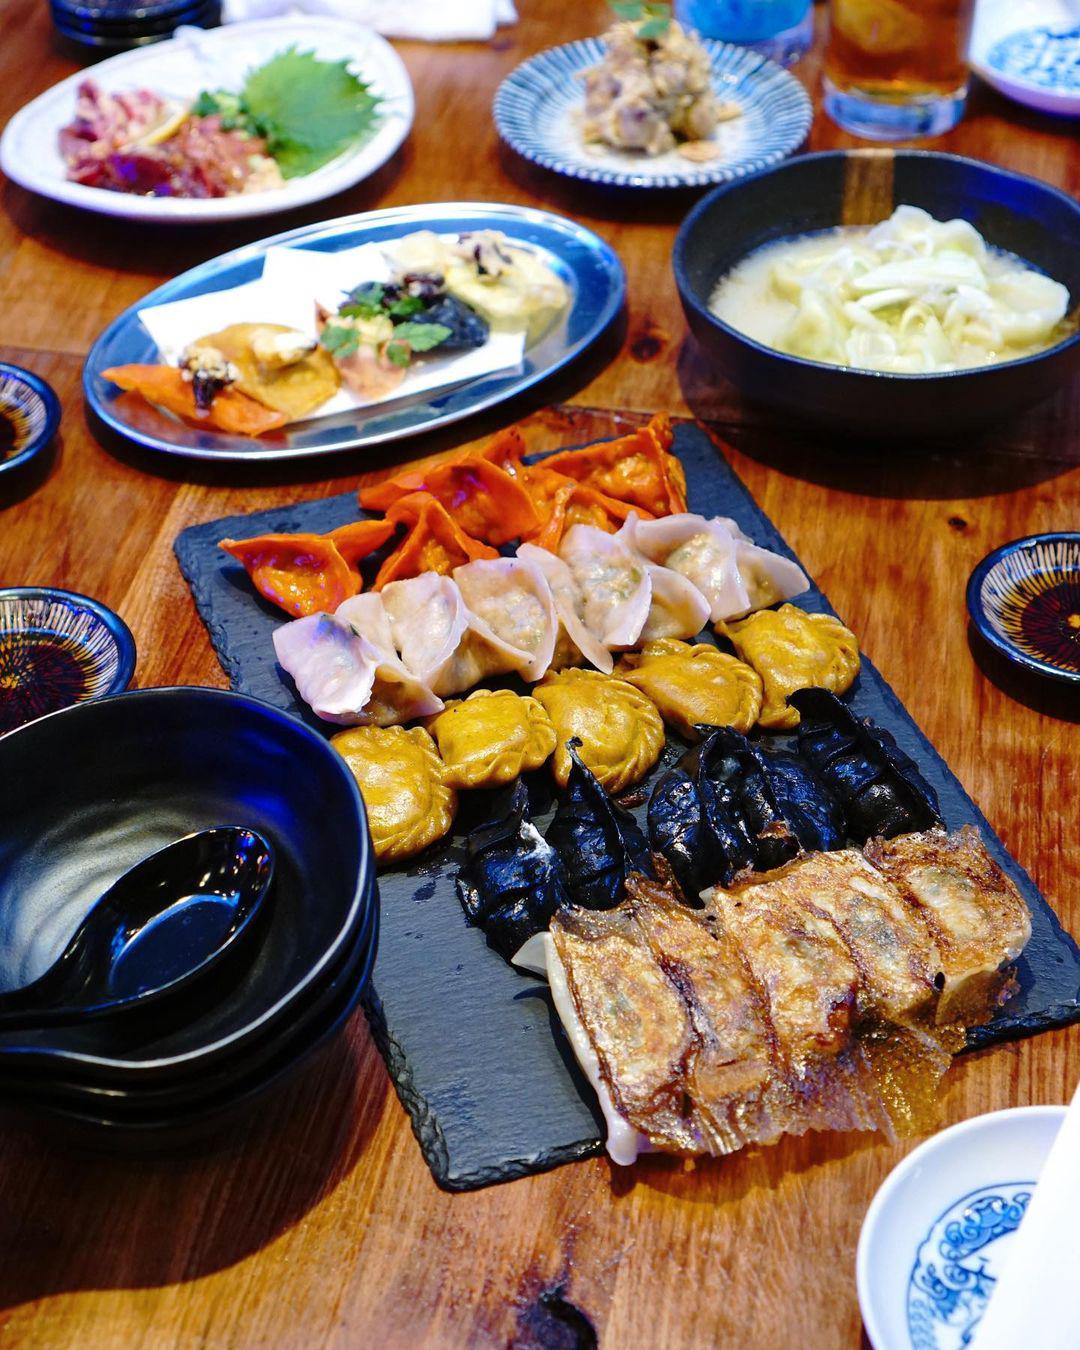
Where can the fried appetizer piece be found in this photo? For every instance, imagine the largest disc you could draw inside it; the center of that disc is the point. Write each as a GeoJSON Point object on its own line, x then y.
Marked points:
{"type": "Point", "coordinates": [173, 389]}
{"type": "Point", "coordinates": [434, 542]}
{"type": "Point", "coordinates": [492, 737]}
{"type": "Point", "coordinates": [878, 786]}
{"type": "Point", "coordinates": [637, 469]}
{"type": "Point", "coordinates": [792, 649]}
{"type": "Point", "coordinates": [512, 881]}
{"type": "Point", "coordinates": [694, 685]}
{"type": "Point", "coordinates": [409, 805]}
{"type": "Point", "coordinates": [889, 940]}
{"type": "Point", "coordinates": [978, 918]}
{"type": "Point", "coordinates": [598, 840]}
{"type": "Point", "coordinates": [620, 731]}
{"type": "Point", "coordinates": [309, 573]}
{"type": "Point", "coordinates": [277, 366]}
{"type": "Point", "coordinates": [811, 985]}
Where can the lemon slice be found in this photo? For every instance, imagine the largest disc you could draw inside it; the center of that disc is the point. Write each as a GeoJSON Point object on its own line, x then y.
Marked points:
{"type": "Point", "coordinates": [164, 129]}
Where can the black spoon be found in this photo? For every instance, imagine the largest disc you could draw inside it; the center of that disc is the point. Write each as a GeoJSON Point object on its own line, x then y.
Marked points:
{"type": "Point", "coordinates": [165, 923]}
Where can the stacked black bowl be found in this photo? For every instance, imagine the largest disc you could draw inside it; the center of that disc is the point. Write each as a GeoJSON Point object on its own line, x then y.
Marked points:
{"type": "Point", "coordinates": [116, 25]}
{"type": "Point", "coordinates": [88, 792]}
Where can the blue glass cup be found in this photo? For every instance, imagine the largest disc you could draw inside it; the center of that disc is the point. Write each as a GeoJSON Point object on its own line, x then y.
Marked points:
{"type": "Point", "coordinates": [780, 29]}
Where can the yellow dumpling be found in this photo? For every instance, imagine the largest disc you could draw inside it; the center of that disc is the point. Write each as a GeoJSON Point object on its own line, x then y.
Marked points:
{"type": "Point", "coordinates": [791, 649]}
{"type": "Point", "coordinates": [409, 803]}
{"type": "Point", "coordinates": [694, 685]}
{"type": "Point", "coordinates": [491, 737]}
{"type": "Point", "coordinates": [619, 728]}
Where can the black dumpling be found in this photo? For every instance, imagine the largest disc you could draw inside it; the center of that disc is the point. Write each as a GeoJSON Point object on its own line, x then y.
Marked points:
{"type": "Point", "coordinates": [598, 840]}
{"type": "Point", "coordinates": [512, 881]}
{"type": "Point", "coordinates": [879, 788]}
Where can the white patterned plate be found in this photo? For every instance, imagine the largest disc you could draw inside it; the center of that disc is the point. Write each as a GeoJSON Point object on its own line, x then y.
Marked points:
{"type": "Point", "coordinates": [538, 110]}
{"type": "Point", "coordinates": [1029, 50]}
{"type": "Point", "coordinates": [934, 1237]}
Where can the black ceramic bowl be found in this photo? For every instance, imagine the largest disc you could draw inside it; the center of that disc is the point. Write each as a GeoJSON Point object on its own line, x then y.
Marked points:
{"type": "Point", "coordinates": [86, 792]}
{"type": "Point", "coordinates": [860, 187]}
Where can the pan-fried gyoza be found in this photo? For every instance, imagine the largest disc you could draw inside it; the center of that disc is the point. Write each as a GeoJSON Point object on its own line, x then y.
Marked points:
{"type": "Point", "coordinates": [826, 994]}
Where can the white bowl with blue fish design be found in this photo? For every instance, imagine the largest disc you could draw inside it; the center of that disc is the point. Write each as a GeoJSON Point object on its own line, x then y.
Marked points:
{"type": "Point", "coordinates": [936, 1234]}
{"type": "Point", "coordinates": [1029, 50]}
{"type": "Point", "coordinates": [539, 110]}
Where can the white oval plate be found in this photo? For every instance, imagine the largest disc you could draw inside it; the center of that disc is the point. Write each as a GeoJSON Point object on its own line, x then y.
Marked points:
{"type": "Point", "coordinates": [196, 59]}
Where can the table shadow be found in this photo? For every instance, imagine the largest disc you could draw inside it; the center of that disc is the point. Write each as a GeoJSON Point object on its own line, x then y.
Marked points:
{"type": "Point", "coordinates": [79, 1218]}
{"type": "Point", "coordinates": [1041, 693]}
{"type": "Point", "coordinates": [996, 461]}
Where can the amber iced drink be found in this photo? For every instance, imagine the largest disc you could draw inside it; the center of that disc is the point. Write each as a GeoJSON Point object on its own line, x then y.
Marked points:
{"type": "Point", "coordinates": [897, 68]}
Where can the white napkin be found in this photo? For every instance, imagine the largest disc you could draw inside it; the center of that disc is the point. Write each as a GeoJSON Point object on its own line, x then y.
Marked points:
{"type": "Point", "coordinates": [291, 282]}
{"type": "Point", "coordinates": [1035, 1301]}
{"type": "Point", "coordinates": [424, 20]}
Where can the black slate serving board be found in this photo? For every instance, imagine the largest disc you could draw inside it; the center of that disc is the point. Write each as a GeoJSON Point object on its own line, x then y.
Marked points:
{"type": "Point", "coordinates": [492, 1092]}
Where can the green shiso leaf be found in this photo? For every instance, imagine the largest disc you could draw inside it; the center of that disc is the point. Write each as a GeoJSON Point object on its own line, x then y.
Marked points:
{"type": "Point", "coordinates": [421, 337]}
{"type": "Point", "coordinates": [308, 110]}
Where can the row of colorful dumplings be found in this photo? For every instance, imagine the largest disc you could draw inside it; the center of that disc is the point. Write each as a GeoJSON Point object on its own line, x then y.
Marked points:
{"type": "Point", "coordinates": [391, 656]}
{"type": "Point", "coordinates": [464, 508]}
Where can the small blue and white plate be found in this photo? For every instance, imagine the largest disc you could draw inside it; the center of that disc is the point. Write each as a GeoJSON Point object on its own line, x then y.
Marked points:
{"type": "Point", "coordinates": [1024, 599]}
{"type": "Point", "coordinates": [58, 648]}
{"type": "Point", "coordinates": [539, 106]}
{"type": "Point", "coordinates": [29, 416]}
{"type": "Point", "coordinates": [937, 1233]}
{"type": "Point", "coordinates": [1029, 50]}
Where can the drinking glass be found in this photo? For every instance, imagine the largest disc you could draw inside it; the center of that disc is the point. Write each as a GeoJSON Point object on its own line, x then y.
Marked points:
{"type": "Point", "coordinates": [897, 68]}
{"type": "Point", "coordinates": [779, 29]}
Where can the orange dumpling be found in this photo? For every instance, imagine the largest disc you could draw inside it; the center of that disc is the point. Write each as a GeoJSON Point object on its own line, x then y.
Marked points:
{"type": "Point", "coordinates": [434, 542]}
{"type": "Point", "coordinates": [563, 502]}
{"type": "Point", "coordinates": [638, 469]}
{"type": "Point", "coordinates": [309, 573]}
{"type": "Point", "coordinates": [487, 502]}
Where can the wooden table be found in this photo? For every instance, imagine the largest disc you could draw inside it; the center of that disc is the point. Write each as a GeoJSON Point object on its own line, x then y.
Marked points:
{"type": "Point", "coordinates": [323, 1226]}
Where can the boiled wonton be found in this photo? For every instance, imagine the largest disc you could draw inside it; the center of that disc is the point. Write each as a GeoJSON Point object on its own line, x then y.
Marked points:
{"type": "Point", "coordinates": [345, 678]}
{"type": "Point", "coordinates": [573, 640]}
{"type": "Point", "coordinates": [513, 598]}
{"type": "Point", "coordinates": [791, 649]}
{"type": "Point", "coordinates": [440, 640]}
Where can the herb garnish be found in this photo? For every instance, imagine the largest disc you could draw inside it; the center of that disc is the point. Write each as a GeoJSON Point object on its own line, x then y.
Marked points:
{"type": "Point", "coordinates": [308, 111]}
{"type": "Point", "coordinates": [654, 18]}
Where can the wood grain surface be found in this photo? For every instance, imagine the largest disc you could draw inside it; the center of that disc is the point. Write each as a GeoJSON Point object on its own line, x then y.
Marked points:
{"type": "Point", "coordinates": [320, 1225]}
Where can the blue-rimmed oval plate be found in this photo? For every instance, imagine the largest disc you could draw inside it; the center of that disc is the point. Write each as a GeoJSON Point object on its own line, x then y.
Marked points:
{"type": "Point", "coordinates": [538, 112]}
{"type": "Point", "coordinates": [589, 267]}
{"type": "Point", "coordinates": [58, 648]}
{"type": "Point", "coordinates": [1024, 599]}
